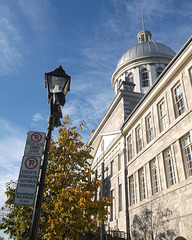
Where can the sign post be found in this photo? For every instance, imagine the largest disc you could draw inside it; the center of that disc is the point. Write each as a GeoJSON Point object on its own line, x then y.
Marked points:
{"type": "Point", "coordinates": [29, 171]}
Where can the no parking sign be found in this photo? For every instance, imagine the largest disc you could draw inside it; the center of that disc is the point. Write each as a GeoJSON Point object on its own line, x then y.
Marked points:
{"type": "Point", "coordinates": [30, 166]}
{"type": "Point", "coordinates": [35, 143]}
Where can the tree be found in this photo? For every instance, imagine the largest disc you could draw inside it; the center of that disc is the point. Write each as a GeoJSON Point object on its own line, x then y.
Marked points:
{"type": "Point", "coordinates": [69, 207]}
{"type": "Point", "coordinates": [16, 219]}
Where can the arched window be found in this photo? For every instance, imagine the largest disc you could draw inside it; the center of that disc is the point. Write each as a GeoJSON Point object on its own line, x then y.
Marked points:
{"type": "Point", "coordinates": [180, 238]}
{"type": "Point", "coordinates": [159, 71]}
{"type": "Point", "coordinates": [130, 78]}
{"type": "Point", "coordinates": [144, 78]}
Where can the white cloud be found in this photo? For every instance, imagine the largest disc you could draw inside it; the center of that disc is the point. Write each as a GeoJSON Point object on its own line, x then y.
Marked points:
{"type": "Point", "coordinates": [13, 46]}
{"type": "Point", "coordinates": [12, 143]}
{"type": "Point", "coordinates": [10, 39]}
{"type": "Point", "coordinates": [35, 12]}
{"type": "Point", "coordinates": [37, 117]}
{"type": "Point", "coordinates": [90, 109]}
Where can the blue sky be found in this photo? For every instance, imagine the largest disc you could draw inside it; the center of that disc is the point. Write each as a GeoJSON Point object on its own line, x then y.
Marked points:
{"type": "Point", "coordinates": [87, 37]}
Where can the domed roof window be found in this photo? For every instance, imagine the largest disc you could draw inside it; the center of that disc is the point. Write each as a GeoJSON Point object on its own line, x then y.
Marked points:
{"type": "Point", "coordinates": [129, 78]}
{"type": "Point", "coordinates": [144, 78]}
{"type": "Point", "coordinates": [159, 71]}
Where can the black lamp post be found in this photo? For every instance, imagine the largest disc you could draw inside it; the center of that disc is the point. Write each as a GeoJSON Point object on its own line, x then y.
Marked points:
{"type": "Point", "coordinates": [57, 83]}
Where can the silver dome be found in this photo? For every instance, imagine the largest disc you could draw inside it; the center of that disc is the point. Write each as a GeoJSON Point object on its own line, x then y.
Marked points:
{"type": "Point", "coordinates": [148, 48]}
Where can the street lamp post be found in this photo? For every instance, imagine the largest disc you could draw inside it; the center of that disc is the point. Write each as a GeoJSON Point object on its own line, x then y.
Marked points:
{"type": "Point", "coordinates": [57, 83]}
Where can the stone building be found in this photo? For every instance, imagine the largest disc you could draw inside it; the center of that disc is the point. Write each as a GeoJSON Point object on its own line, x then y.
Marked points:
{"type": "Point", "coordinates": [143, 144]}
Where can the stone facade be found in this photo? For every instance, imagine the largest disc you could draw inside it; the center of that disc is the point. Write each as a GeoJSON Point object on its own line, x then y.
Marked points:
{"type": "Point", "coordinates": [145, 143]}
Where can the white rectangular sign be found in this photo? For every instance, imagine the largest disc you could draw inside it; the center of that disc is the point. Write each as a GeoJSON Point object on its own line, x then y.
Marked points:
{"type": "Point", "coordinates": [35, 143]}
{"type": "Point", "coordinates": [24, 199]}
{"type": "Point", "coordinates": [29, 174]}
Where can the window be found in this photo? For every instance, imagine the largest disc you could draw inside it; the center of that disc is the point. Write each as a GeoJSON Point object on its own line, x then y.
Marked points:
{"type": "Point", "coordinates": [190, 73]}
{"type": "Point", "coordinates": [130, 78]}
{"type": "Point", "coordinates": [132, 190]}
{"type": "Point", "coordinates": [187, 154]}
{"type": "Point", "coordinates": [119, 162]}
{"type": "Point", "coordinates": [159, 71]}
{"type": "Point", "coordinates": [138, 139]}
{"type": "Point", "coordinates": [162, 115]}
{"type": "Point", "coordinates": [106, 188]}
{"type": "Point", "coordinates": [96, 173]}
{"type": "Point", "coordinates": [120, 197]}
{"type": "Point", "coordinates": [144, 78]}
{"type": "Point", "coordinates": [169, 167]}
{"type": "Point", "coordinates": [178, 100]}
{"type": "Point", "coordinates": [142, 189]}
{"type": "Point", "coordinates": [111, 207]}
{"type": "Point", "coordinates": [130, 147]}
{"type": "Point", "coordinates": [112, 163]}
{"type": "Point", "coordinates": [149, 128]}
{"type": "Point", "coordinates": [154, 176]}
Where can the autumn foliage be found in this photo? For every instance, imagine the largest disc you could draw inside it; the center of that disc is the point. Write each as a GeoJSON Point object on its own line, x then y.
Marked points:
{"type": "Point", "coordinates": [69, 207]}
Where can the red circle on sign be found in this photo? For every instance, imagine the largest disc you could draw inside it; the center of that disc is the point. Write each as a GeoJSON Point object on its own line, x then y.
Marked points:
{"type": "Point", "coordinates": [31, 163]}
{"type": "Point", "coordinates": [36, 137]}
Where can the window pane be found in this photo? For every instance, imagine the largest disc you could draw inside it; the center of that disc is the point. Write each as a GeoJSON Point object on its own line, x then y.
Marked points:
{"type": "Point", "coordinates": [178, 100]}
{"type": "Point", "coordinates": [149, 127]}
{"type": "Point", "coordinates": [130, 78]}
{"type": "Point", "coordinates": [112, 168]}
{"type": "Point", "coordinates": [111, 207]}
{"type": "Point", "coordinates": [159, 71]}
{"type": "Point", "coordinates": [119, 162]}
{"type": "Point", "coordinates": [142, 184]}
{"type": "Point", "coordinates": [169, 167]}
{"type": "Point", "coordinates": [154, 176]}
{"type": "Point", "coordinates": [138, 139]}
{"type": "Point", "coordinates": [187, 155]}
{"type": "Point", "coordinates": [132, 190]}
{"type": "Point", "coordinates": [130, 148]}
{"type": "Point", "coordinates": [120, 197]}
{"type": "Point", "coordinates": [144, 78]}
{"type": "Point", "coordinates": [162, 115]}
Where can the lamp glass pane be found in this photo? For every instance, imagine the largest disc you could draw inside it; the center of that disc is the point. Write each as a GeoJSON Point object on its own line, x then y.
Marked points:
{"type": "Point", "coordinates": [56, 84]}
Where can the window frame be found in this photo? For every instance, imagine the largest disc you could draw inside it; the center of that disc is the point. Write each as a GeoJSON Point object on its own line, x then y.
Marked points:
{"type": "Point", "coordinates": [145, 78]}
{"type": "Point", "coordinates": [178, 99]}
{"type": "Point", "coordinates": [112, 205]}
{"type": "Point", "coordinates": [155, 186]}
{"type": "Point", "coordinates": [142, 184]}
{"type": "Point", "coordinates": [119, 162]}
{"type": "Point", "coordinates": [149, 127]}
{"type": "Point", "coordinates": [186, 148]}
{"type": "Point", "coordinates": [132, 195]}
{"type": "Point", "coordinates": [130, 77]}
{"type": "Point", "coordinates": [162, 115]}
{"type": "Point", "coordinates": [112, 168]}
{"type": "Point", "coordinates": [170, 170]}
{"type": "Point", "coordinates": [190, 73]}
{"type": "Point", "coordinates": [120, 197]}
{"type": "Point", "coordinates": [130, 147]}
{"type": "Point", "coordinates": [138, 133]}
{"type": "Point", "coordinates": [159, 70]}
